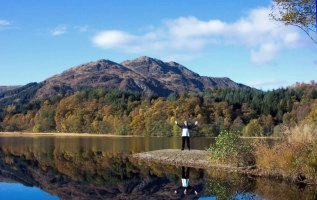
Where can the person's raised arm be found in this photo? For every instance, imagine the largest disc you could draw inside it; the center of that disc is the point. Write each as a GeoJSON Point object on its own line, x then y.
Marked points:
{"type": "Point", "coordinates": [177, 189]}
{"type": "Point", "coordinates": [178, 124]}
{"type": "Point", "coordinates": [193, 126]}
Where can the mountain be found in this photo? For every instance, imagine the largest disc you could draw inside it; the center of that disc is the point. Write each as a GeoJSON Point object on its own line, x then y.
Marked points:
{"type": "Point", "coordinates": [6, 88]}
{"type": "Point", "coordinates": [144, 74]}
{"type": "Point", "coordinates": [175, 76]}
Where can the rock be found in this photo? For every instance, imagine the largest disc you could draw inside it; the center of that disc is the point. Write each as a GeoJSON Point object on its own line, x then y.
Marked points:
{"type": "Point", "coordinates": [192, 158]}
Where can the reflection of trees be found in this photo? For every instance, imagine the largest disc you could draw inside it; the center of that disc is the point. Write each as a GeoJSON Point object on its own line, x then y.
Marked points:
{"type": "Point", "coordinates": [241, 187]}
{"type": "Point", "coordinates": [281, 190]}
{"type": "Point", "coordinates": [47, 176]}
{"type": "Point", "coordinates": [224, 188]}
{"type": "Point", "coordinates": [93, 174]}
{"type": "Point", "coordinates": [85, 174]}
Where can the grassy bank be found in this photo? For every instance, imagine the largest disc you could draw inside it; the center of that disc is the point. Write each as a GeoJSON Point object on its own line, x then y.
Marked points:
{"type": "Point", "coordinates": [294, 157]}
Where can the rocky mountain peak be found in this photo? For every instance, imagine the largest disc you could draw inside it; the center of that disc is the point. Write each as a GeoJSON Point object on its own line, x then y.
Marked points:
{"type": "Point", "coordinates": [144, 64]}
{"type": "Point", "coordinates": [144, 74]}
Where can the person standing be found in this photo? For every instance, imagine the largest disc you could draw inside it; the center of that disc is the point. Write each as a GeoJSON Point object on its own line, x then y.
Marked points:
{"type": "Point", "coordinates": [185, 133]}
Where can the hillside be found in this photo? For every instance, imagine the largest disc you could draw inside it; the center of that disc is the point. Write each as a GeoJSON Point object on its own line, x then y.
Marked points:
{"type": "Point", "coordinates": [175, 76]}
{"type": "Point", "coordinates": [6, 88]}
{"type": "Point", "coordinates": [248, 111]}
{"type": "Point", "coordinates": [146, 75]}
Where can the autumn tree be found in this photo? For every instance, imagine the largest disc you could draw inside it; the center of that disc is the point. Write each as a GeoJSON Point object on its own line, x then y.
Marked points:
{"type": "Point", "coordinates": [300, 13]}
{"type": "Point", "coordinates": [253, 129]}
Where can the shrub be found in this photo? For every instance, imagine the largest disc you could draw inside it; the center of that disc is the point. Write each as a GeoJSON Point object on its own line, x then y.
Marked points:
{"type": "Point", "coordinates": [37, 128]}
{"type": "Point", "coordinates": [302, 134]}
{"type": "Point", "coordinates": [253, 129]}
{"type": "Point", "coordinates": [297, 161]}
{"type": "Point", "coordinates": [123, 130]}
{"type": "Point", "coordinates": [278, 131]}
{"type": "Point", "coordinates": [294, 157]}
{"type": "Point", "coordinates": [207, 130]}
{"type": "Point", "coordinates": [229, 149]}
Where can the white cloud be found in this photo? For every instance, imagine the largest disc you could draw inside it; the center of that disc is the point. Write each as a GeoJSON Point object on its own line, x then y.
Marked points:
{"type": "Point", "coordinates": [268, 84]}
{"type": "Point", "coordinates": [291, 37]}
{"type": "Point", "coordinates": [113, 39]}
{"type": "Point", "coordinates": [59, 30]}
{"type": "Point", "coordinates": [190, 27]}
{"type": "Point", "coordinates": [265, 53]}
{"type": "Point", "coordinates": [189, 35]}
{"type": "Point", "coordinates": [4, 22]}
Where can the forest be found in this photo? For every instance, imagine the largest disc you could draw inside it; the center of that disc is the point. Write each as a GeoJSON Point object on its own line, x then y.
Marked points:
{"type": "Point", "coordinates": [247, 112]}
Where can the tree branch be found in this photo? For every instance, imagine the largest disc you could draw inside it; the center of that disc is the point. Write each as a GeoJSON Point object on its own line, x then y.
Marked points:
{"type": "Point", "coordinates": [307, 33]}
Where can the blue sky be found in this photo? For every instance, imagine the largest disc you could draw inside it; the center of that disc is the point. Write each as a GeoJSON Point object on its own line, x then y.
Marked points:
{"type": "Point", "coordinates": [217, 38]}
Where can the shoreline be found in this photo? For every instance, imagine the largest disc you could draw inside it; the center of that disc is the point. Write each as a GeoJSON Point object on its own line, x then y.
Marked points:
{"type": "Point", "coordinates": [200, 159]}
{"type": "Point", "coordinates": [20, 133]}
{"type": "Point", "coordinates": [30, 134]}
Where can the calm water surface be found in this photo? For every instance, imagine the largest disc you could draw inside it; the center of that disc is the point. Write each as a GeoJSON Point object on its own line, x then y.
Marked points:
{"type": "Point", "coordinates": [100, 168]}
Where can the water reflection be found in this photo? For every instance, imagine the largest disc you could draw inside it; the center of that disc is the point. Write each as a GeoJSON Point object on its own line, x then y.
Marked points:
{"type": "Point", "coordinates": [95, 168]}
{"type": "Point", "coordinates": [105, 144]}
{"type": "Point", "coordinates": [15, 191]}
{"type": "Point", "coordinates": [186, 188]}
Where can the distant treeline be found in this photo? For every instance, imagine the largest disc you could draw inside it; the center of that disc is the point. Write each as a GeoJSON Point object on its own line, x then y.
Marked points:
{"type": "Point", "coordinates": [247, 111]}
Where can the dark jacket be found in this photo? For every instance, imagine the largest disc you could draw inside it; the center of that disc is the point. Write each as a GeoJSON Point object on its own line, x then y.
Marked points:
{"type": "Point", "coordinates": [186, 126]}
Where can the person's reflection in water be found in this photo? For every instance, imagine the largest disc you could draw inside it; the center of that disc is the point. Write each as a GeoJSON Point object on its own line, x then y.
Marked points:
{"type": "Point", "coordinates": [186, 188]}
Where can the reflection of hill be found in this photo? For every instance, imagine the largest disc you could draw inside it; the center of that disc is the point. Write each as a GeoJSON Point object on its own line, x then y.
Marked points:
{"type": "Point", "coordinates": [87, 173]}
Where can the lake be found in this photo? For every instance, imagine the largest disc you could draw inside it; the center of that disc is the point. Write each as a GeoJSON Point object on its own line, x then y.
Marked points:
{"type": "Point", "coordinates": [48, 167]}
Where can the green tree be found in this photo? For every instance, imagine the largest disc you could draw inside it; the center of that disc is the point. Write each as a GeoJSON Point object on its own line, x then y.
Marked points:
{"type": "Point", "coordinates": [253, 129]}
{"type": "Point", "coordinates": [228, 148]}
